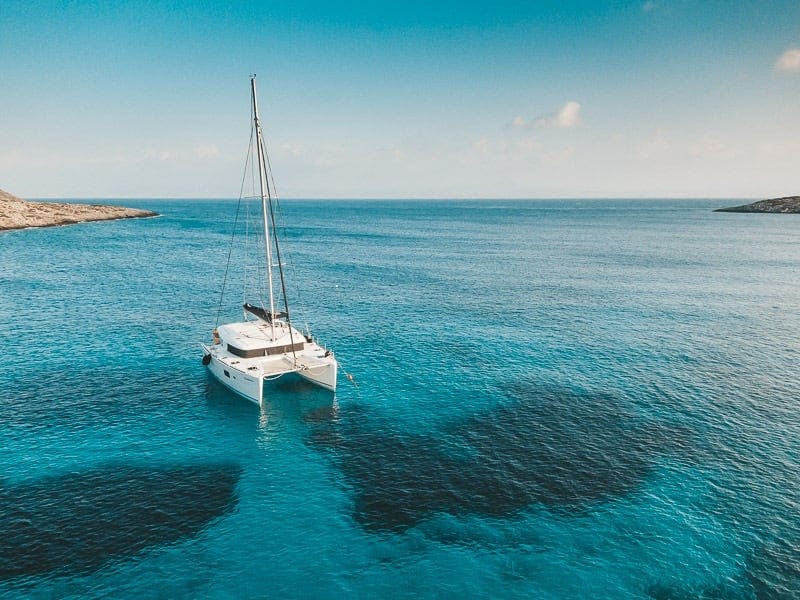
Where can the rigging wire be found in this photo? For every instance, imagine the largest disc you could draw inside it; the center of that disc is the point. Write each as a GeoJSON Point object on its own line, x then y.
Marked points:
{"type": "Point", "coordinates": [349, 376]}
{"type": "Point", "coordinates": [248, 163]}
{"type": "Point", "coordinates": [260, 290]}
{"type": "Point", "coordinates": [274, 241]}
{"type": "Point", "coordinates": [260, 286]}
{"type": "Point", "coordinates": [233, 233]}
{"type": "Point", "coordinates": [244, 257]}
{"type": "Point", "coordinates": [285, 236]}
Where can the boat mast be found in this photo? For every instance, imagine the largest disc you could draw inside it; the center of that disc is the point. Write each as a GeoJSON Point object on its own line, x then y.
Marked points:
{"type": "Point", "coordinates": [262, 180]}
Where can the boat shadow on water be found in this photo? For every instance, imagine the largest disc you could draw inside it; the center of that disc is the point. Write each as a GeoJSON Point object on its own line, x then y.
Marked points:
{"type": "Point", "coordinates": [553, 447]}
{"type": "Point", "coordinates": [77, 522]}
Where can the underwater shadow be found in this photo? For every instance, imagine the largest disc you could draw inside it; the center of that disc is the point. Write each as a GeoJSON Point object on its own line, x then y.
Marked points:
{"type": "Point", "coordinates": [773, 570]}
{"type": "Point", "coordinates": [77, 522]}
{"type": "Point", "coordinates": [554, 447]}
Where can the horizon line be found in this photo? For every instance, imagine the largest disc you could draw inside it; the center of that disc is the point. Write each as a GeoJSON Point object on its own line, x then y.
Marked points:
{"type": "Point", "coordinates": [397, 199]}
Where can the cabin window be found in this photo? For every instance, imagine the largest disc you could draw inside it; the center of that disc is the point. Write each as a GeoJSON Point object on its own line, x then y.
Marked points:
{"type": "Point", "coordinates": [252, 353]}
{"type": "Point", "coordinates": [227, 374]}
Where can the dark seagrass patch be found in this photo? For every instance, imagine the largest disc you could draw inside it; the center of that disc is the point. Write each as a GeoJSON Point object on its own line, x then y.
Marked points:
{"type": "Point", "coordinates": [77, 522]}
{"type": "Point", "coordinates": [558, 448]}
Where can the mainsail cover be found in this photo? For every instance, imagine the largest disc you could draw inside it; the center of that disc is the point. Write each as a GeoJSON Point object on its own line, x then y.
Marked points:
{"type": "Point", "coordinates": [262, 313]}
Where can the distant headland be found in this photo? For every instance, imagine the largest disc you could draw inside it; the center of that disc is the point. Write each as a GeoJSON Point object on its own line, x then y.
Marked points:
{"type": "Point", "coordinates": [789, 204]}
{"type": "Point", "coordinates": [16, 213]}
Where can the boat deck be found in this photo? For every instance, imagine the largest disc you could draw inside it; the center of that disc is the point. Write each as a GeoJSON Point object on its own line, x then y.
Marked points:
{"type": "Point", "coordinates": [263, 366]}
{"type": "Point", "coordinates": [258, 349]}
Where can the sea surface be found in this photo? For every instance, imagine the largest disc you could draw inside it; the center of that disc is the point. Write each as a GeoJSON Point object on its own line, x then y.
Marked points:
{"type": "Point", "coordinates": [551, 399]}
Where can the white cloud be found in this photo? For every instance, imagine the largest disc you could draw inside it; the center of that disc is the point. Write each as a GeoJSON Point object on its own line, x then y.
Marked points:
{"type": "Point", "coordinates": [481, 145]}
{"type": "Point", "coordinates": [519, 123]}
{"type": "Point", "coordinates": [567, 117]}
{"type": "Point", "coordinates": [162, 155]}
{"type": "Point", "coordinates": [789, 61]}
{"type": "Point", "coordinates": [206, 151]}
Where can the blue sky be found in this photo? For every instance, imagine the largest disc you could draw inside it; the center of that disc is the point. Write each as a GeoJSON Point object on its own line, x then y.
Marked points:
{"type": "Point", "coordinates": [408, 100]}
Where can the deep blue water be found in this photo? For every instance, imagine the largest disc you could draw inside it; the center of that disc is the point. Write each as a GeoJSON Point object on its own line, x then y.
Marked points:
{"type": "Point", "coordinates": [554, 399]}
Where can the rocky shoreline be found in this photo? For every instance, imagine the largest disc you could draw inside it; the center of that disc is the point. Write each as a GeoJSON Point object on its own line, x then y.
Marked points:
{"type": "Point", "coordinates": [789, 204]}
{"type": "Point", "coordinates": [16, 213]}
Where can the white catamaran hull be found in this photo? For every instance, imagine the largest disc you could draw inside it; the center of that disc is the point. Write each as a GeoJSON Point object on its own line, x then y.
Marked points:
{"type": "Point", "coordinates": [324, 376]}
{"type": "Point", "coordinates": [245, 385]}
{"type": "Point", "coordinates": [251, 352]}
{"type": "Point", "coordinates": [252, 386]}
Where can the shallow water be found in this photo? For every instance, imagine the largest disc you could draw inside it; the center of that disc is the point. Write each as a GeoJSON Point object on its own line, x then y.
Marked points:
{"type": "Point", "coordinates": [554, 399]}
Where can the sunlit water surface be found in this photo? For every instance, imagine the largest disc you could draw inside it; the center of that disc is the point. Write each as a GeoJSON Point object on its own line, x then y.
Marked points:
{"type": "Point", "coordinates": [554, 399]}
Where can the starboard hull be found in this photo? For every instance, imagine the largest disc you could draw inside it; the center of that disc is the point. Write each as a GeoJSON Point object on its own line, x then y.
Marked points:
{"type": "Point", "coordinates": [324, 377]}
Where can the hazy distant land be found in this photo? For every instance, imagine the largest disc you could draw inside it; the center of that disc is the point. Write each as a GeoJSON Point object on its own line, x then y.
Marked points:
{"type": "Point", "coordinates": [16, 213]}
{"type": "Point", "coordinates": [789, 204]}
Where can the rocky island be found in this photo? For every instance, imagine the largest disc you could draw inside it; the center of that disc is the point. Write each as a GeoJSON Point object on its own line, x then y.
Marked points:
{"type": "Point", "coordinates": [16, 213]}
{"type": "Point", "coordinates": [789, 204]}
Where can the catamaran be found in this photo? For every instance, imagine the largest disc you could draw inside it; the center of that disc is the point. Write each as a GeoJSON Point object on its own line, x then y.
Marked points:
{"type": "Point", "coordinates": [265, 345]}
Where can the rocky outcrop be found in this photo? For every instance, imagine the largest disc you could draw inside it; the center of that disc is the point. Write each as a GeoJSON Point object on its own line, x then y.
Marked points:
{"type": "Point", "coordinates": [789, 204]}
{"type": "Point", "coordinates": [16, 213]}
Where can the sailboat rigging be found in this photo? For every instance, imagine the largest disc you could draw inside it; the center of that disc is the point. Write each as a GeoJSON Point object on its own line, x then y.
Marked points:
{"type": "Point", "coordinates": [245, 354]}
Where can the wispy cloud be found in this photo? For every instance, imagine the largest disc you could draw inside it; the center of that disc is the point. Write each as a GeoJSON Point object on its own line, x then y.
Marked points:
{"type": "Point", "coordinates": [396, 152]}
{"type": "Point", "coordinates": [206, 151]}
{"type": "Point", "coordinates": [324, 156]}
{"type": "Point", "coordinates": [481, 145]}
{"type": "Point", "coordinates": [527, 150]}
{"type": "Point", "coordinates": [566, 117]}
{"type": "Point", "coordinates": [529, 145]}
{"type": "Point", "coordinates": [160, 155]}
{"type": "Point", "coordinates": [713, 149]}
{"type": "Point", "coordinates": [789, 61]}
{"type": "Point", "coordinates": [292, 149]}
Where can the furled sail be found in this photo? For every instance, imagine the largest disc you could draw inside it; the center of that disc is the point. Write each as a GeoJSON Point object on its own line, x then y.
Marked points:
{"type": "Point", "coordinates": [264, 314]}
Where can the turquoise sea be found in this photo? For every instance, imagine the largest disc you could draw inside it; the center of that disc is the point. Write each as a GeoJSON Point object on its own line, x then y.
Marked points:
{"type": "Point", "coordinates": [552, 399]}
